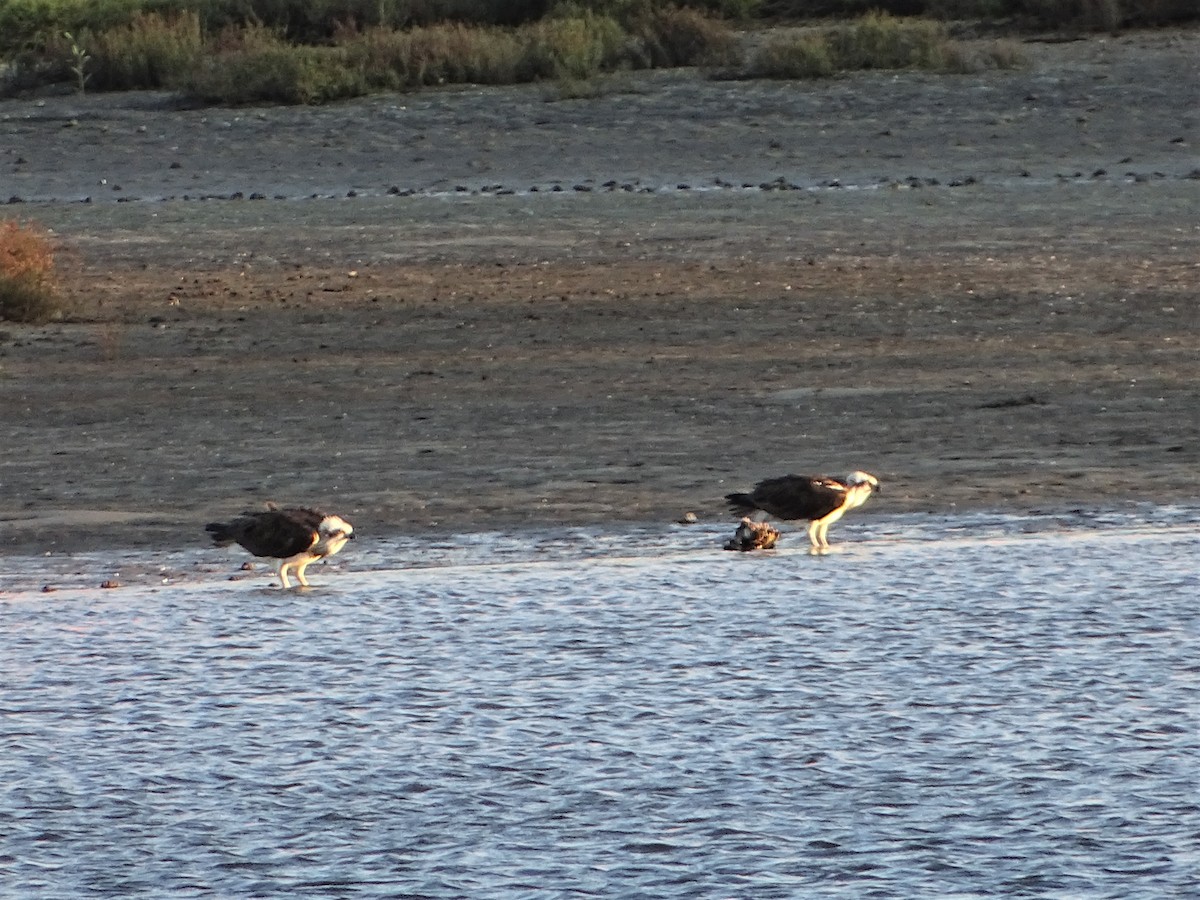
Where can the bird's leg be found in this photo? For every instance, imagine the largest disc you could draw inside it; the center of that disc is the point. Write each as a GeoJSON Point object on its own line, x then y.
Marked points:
{"type": "Point", "coordinates": [816, 536]}
{"type": "Point", "coordinates": [300, 572]}
{"type": "Point", "coordinates": [283, 579]}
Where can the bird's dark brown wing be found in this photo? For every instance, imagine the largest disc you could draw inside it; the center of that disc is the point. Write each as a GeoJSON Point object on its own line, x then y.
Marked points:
{"type": "Point", "coordinates": [278, 533]}
{"type": "Point", "coordinates": [303, 515]}
{"type": "Point", "coordinates": [798, 496]}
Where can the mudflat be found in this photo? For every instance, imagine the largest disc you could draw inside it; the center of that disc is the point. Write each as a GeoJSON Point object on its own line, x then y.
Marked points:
{"type": "Point", "coordinates": [489, 307]}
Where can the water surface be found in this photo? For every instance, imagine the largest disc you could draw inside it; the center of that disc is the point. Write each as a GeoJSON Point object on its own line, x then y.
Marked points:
{"type": "Point", "coordinates": [942, 707]}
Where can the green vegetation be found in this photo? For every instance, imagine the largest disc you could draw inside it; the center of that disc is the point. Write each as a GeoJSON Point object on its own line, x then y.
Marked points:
{"type": "Point", "coordinates": [79, 63]}
{"type": "Point", "coordinates": [807, 55]}
{"type": "Point", "coordinates": [876, 41]}
{"type": "Point", "coordinates": [254, 62]}
{"type": "Point", "coordinates": [148, 52]}
{"type": "Point", "coordinates": [312, 51]}
{"type": "Point", "coordinates": [28, 292]}
{"type": "Point", "coordinates": [1088, 15]}
{"type": "Point", "coordinates": [25, 24]}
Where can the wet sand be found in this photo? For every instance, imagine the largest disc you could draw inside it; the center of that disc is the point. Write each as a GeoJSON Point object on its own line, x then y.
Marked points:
{"type": "Point", "coordinates": [981, 288]}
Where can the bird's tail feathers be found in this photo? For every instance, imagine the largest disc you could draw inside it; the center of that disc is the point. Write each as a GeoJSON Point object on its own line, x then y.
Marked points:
{"type": "Point", "coordinates": [222, 535]}
{"type": "Point", "coordinates": [740, 504]}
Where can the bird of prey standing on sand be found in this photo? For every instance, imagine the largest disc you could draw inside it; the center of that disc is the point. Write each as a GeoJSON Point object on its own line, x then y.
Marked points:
{"type": "Point", "coordinates": [819, 499]}
{"type": "Point", "coordinates": [295, 536]}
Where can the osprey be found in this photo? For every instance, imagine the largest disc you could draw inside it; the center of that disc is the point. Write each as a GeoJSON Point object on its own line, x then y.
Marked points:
{"type": "Point", "coordinates": [295, 536]}
{"type": "Point", "coordinates": [818, 498]}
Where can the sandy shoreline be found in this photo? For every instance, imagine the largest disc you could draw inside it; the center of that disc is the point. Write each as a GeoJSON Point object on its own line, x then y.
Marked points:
{"type": "Point", "coordinates": [482, 359]}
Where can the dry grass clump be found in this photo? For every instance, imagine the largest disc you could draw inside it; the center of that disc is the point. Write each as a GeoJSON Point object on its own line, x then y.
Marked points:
{"type": "Point", "coordinates": [875, 41]}
{"type": "Point", "coordinates": [28, 292]}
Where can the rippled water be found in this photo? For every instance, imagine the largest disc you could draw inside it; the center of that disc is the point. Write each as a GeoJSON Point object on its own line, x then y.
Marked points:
{"type": "Point", "coordinates": [940, 708]}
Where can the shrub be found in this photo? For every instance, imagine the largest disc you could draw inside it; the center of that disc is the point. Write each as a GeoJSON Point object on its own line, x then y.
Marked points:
{"type": "Point", "coordinates": [438, 54]}
{"type": "Point", "coordinates": [28, 292]}
{"type": "Point", "coordinates": [152, 51]}
{"type": "Point", "coordinates": [880, 41]}
{"type": "Point", "coordinates": [253, 64]}
{"type": "Point", "coordinates": [466, 54]}
{"type": "Point", "coordinates": [877, 41]}
{"type": "Point", "coordinates": [570, 48]}
{"type": "Point", "coordinates": [675, 36]}
{"type": "Point", "coordinates": [254, 55]}
{"type": "Point", "coordinates": [573, 47]}
{"type": "Point", "coordinates": [799, 56]}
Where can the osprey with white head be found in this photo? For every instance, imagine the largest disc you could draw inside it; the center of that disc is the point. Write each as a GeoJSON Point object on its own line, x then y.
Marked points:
{"type": "Point", "coordinates": [819, 499]}
{"type": "Point", "coordinates": [296, 536]}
